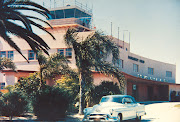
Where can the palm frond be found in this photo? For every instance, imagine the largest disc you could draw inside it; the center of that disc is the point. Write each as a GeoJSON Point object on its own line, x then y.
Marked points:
{"type": "Point", "coordinates": [11, 10]}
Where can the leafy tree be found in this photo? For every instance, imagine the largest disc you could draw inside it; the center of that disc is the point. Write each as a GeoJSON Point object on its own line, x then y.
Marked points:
{"type": "Point", "coordinates": [72, 86]}
{"type": "Point", "coordinates": [13, 103]}
{"type": "Point", "coordinates": [51, 103]}
{"type": "Point", "coordinates": [10, 10]}
{"type": "Point", "coordinates": [29, 85]}
{"type": "Point", "coordinates": [7, 63]}
{"type": "Point", "coordinates": [54, 65]}
{"type": "Point", "coordinates": [105, 88]}
{"type": "Point", "coordinates": [92, 53]}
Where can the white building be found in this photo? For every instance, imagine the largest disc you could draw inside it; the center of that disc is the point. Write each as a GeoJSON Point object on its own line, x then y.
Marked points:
{"type": "Point", "coordinates": [147, 79]}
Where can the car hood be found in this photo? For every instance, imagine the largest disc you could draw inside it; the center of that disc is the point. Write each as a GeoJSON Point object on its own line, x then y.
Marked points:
{"type": "Point", "coordinates": [105, 107]}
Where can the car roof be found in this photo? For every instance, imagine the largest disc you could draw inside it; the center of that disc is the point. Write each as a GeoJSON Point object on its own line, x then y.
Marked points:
{"type": "Point", "coordinates": [118, 96]}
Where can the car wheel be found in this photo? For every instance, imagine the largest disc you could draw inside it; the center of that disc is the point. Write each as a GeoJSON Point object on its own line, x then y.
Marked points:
{"type": "Point", "coordinates": [119, 118]}
{"type": "Point", "coordinates": [138, 118]}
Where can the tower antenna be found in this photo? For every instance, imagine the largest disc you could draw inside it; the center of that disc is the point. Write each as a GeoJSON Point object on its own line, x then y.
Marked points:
{"type": "Point", "coordinates": [111, 29]}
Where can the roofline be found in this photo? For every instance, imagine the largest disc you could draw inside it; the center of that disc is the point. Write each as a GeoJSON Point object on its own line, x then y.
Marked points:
{"type": "Point", "coordinates": [68, 25]}
{"type": "Point", "coordinates": [27, 71]}
{"type": "Point", "coordinates": [143, 80]}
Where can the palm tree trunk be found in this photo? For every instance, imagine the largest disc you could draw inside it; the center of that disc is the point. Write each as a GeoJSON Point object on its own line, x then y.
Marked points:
{"type": "Point", "coordinates": [81, 94]}
{"type": "Point", "coordinates": [40, 78]}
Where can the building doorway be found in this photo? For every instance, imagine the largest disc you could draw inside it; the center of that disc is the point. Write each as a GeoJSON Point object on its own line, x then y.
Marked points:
{"type": "Point", "coordinates": [150, 93]}
{"type": "Point", "coordinates": [135, 92]}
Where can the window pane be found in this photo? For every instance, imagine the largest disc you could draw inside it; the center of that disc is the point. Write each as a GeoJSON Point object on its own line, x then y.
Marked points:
{"type": "Point", "coordinates": [30, 55]}
{"type": "Point", "coordinates": [119, 63]}
{"type": "Point", "coordinates": [2, 85]}
{"type": "Point", "coordinates": [3, 54]}
{"type": "Point", "coordinates": [150, 71]}
{"type": "Point", "coordinates": [168, 74]}
{"type": "Point", "coordinates": [61, 51]}
{"type": "Point", "coordinates": [135, 68]}
{"type": "Point", "coordinates": [69, 52]}
{"type": "Point", "coordinates": [11, 55]}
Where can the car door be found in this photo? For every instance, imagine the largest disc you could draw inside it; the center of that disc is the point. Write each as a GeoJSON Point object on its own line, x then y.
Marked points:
{"type": "Point", "coordinates": [130, 111]}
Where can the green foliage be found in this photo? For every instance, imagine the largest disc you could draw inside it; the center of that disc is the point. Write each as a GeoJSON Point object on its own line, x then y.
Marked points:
{"type": "Point", "coordinates": [54, 65]}
{"type": "Point", "coordinates": [51, 103]}
{"type": "Point", "coordinates": [7, 63]}
{"type": "Point", "coordinates": [29, 85]}
{"type": "Point", "coordinates": [105, 88]}
{"type": "Point", "coordinates": [13, 103]}
{"type": "Point", "coordinates": [70, 84]}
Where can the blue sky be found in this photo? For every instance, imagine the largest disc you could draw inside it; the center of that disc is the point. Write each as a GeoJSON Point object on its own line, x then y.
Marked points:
{"type": "Point", "coordinates": [154, 25]}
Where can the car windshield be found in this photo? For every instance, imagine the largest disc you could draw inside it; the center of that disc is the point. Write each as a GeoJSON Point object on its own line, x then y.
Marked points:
{"type": "Point", "coordinates": [111, 99]}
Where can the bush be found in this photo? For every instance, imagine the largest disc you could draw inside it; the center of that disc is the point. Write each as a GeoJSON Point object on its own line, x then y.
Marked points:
{"type": "Point", "coordinates": [105, 88]}
{"type": "Point", "coordinates": [13, 104]}
{"type": "Point", "coordinates": [51, 103]}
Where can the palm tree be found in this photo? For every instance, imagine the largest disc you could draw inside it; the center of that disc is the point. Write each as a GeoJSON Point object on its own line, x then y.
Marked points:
{"type": "Point", "coordinates": [7, 63]}
{"type": "Point", "coordinates": [91, 53]}
{"type": "Point", "coordinates": [10, 14]}
{"type": "Point", "coordinates": [52, 66]}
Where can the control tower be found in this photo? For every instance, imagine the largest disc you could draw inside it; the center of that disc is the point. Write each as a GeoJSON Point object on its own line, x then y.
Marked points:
{"type": "Point", "coordinates": [74, 15]}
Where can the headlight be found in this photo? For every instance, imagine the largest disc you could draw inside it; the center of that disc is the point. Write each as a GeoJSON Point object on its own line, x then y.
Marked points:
{"type": "Point", "coordinates": [86, 116]}
{"type": "Point", "coordinates": [111, 111]}
{"type": "Point", "coordinates": [85, 110]}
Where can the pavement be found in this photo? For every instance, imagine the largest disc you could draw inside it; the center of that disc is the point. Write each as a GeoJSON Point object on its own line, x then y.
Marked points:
{"type": "Point", "coordinates": [162, 112]}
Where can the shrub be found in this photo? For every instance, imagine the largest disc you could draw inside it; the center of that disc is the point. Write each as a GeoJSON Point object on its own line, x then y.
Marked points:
{"type": "Point", "coordinates": [105, 88]}
{"type": "Point", "coordinates": [13, 104]}
{"type": "Point", "coordinates": [51, 103]}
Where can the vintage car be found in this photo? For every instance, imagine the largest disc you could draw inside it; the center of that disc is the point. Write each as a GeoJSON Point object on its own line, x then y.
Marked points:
{"type": "Point", "coordinates": [114, 108]}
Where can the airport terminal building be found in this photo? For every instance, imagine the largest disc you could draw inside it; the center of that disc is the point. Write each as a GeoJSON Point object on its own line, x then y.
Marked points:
{"type": "Point", "coordinates": [146, 79]}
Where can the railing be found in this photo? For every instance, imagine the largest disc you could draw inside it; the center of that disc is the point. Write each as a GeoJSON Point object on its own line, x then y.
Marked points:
{"type": "Point", "coordinates": [63, 3]}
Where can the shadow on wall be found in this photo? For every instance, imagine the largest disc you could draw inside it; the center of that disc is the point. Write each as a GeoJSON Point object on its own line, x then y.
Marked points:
{"type": "Point", "coordinates": [174, 97]}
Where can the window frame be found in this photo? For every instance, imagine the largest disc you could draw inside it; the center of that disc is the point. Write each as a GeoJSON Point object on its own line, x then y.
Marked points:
{"type": "Point", "coordinates": [120, 63]}
{"type": "Point", "coordinates": [150, 71]}
{"type": "Point", "coordinates": [169, 75]}
{"type": "Point", "coordinates": [2, 85]}
{"type": "Point", "coordinates": [135, 67]}
{"type": "Point", "coordinates": [66, 52]}
{"type": "Point", "coordinates": [7, 54]}
{"type": "Point", "coordinates": [34, 57]}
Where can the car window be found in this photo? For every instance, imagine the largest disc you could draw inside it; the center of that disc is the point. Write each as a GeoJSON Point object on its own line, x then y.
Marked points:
{"type": "Point", "coordinates": [111, 99]}
{"type": "Point", "coordinates": [127, 100]}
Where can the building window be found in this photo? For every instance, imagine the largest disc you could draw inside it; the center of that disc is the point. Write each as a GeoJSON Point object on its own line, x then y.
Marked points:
{"type": "Point", "coordinates": [67, 52]}
{"type": "Point", "coordinates": [120, 63]}
{"type": "Point", "coordinates": [8, 54]}
{"type": "Point", "coordinates": [150, 71]}
{"type": "Point", "coordinates": [31, 55]}
{"type": "Point", "coordinates": [3, 54]}
{"type": "Point", "coordinates": [2, 85]}
{"type": "Point", "coordinates": [135, 68]}
{"type": "Point", "coordinates": [168, 74]}
{"type": "Point", "coordinates": [11, 55]}
{"type": "Point", "coordinates": [61, 51]}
